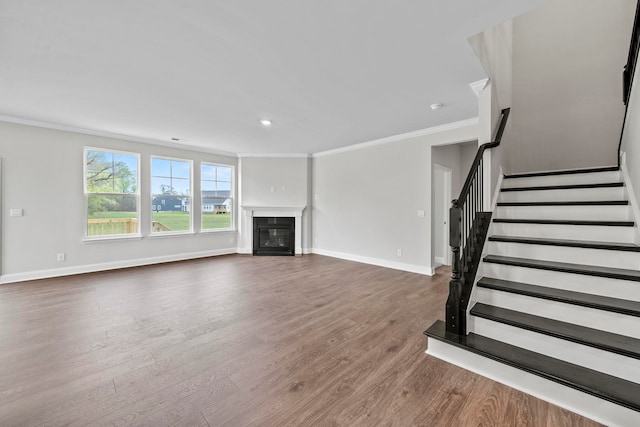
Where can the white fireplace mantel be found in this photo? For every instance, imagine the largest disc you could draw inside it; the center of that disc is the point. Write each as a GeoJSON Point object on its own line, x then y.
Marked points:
{"type": "Point", "coordinates": [262, 211]}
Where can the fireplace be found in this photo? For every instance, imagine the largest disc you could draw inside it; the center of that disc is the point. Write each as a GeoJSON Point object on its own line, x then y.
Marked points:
{"type": "Point", "coordinates": [248, 225]}
{"type": "Point", "coordinates": [274, 236]}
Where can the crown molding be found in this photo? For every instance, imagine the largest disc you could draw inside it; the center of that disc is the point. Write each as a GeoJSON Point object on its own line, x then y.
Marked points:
{"type": "Point", "coordinates": [178, 145]}
{"type": "Point", "coordinates": [295, 155]}
{"type": "Point", "coordinates": [105, 134]}
{"type": "Point", "coordinates": [478, 86]}
{"type": "Point", "coordinates": [400, 137]}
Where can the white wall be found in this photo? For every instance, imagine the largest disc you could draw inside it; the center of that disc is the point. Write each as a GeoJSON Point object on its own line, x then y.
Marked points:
{"type": "Point", "coordinates": [494, 48]}
{"type": "Point", "coordinates": [457, 157]}
{"type": "Point", "coordinates": [42, 173]}
{"type": "Point", "coordinates": [276, 182]}
{"type": "Point", "coordinates": [366, 201]}
{"type": "Point", "coordinates": [568, 57]}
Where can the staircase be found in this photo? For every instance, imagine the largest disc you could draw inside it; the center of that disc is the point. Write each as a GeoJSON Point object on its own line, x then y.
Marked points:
{"type": "Point", "coordinates": [555, 310]}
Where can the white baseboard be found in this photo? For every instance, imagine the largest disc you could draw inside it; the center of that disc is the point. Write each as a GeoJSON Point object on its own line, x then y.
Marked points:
{"type": "Point", "coordinates": [90, 268]}
{"type": "Point", "coordinates": [412, 268]}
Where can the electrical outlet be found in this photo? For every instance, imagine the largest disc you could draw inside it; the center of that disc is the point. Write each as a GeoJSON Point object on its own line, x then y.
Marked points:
{"type": "Point", "coordinates": [273, 189]}
{"type": "Point", "coordinates": [421, 214]}
{"type": "Point", "coordinates": [62, 256]}
{"type": "Point", "coordinates": [399, 252]}
{"type": "Point", "coordinates": [284, 188]}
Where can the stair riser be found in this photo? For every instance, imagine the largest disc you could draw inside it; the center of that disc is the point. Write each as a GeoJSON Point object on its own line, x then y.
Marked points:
{"type": "Point", "coordinates": [570, 232]}
{"type": "Point", "coordinates": [623, 289]}
{"type": "Point", "coordinates": [597, 257]}
{"type": "Point", "coordinates": [575, 194]}
{"type": "Point", "coordinates": [598, 319]}
{"type": "Point", "coordinates": [610, 363]}
{"type": "Point", "coordinates": [580, 178]}
{"type": "Point", "coordinates": [590, 406]}
{"type": "Point", "coordinates": [571, 213]}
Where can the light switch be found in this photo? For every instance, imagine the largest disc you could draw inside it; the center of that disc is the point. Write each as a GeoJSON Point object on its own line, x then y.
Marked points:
{"type": "Point", "coordinates": [15, 212]}
{"type": "Point", "coordinates": [420, 214]}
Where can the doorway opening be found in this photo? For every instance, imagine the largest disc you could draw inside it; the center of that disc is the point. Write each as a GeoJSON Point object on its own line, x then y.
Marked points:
{"type": "Point", "coordinates": [442, 197]}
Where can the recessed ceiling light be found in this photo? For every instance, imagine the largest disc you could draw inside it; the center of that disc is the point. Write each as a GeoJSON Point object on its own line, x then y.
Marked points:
{"type": "Point", "coordinates": [436, 106]}
{"type": "Point", "coordinates": [265, 122]}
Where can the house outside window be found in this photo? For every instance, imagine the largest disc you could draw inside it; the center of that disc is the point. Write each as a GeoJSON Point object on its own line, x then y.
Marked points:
{"type": "Point", "coordinates": [216, 194]}
{"type": "Point", "coordinates": [171, 195]}
{"type": "Point", "coordinates": [112, 193]}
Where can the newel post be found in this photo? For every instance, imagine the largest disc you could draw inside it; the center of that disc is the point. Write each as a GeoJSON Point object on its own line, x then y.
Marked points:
{"type": "Point", "coordinates": [455, 316]}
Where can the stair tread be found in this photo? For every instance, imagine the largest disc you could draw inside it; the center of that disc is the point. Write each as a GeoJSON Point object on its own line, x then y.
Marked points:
{"type": "Point", "coordinates": [628, 247]}
{"type": "Point", "coordinates": [619, 344]}
{"type": "Point", "coordinates": [599, 302]}
{"type": "Point", "coordinates": [604, 386]}
{"type": "Point", "coordinates": [592, 270]}
{"type": "Point", "coordinates": [569, 203]}
{"type": "Point", "coordinates": [565, 222]}
{"type": "Point", "coordinates": [564, 187]}
{"type": "Point", "coordinates": [563, 172]}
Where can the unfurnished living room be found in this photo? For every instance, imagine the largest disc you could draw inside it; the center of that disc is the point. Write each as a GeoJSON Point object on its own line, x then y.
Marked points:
{"type": "Point", "coordinates": [319, 213]}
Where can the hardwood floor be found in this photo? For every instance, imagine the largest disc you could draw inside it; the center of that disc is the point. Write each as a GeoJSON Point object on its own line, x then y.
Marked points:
{"type": "Point", "coordinates": [242, 341]}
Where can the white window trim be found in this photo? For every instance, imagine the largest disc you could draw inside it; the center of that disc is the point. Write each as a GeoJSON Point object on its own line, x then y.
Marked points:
{"type": "Point", "coordinates": [232, 197]}
{"type": "Point", "coordinates": [152, 195]}
{"type": "Point", "coordinates": [109, 237]}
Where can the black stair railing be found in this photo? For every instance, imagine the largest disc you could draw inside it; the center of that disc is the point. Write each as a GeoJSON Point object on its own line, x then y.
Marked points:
{"type": "Point", "coordinates": [629, 70]}
{"type": "Point", "coordinates": [468, 225]}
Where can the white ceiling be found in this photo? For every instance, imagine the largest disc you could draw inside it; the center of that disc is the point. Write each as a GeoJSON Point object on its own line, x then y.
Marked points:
{"type": "Point", "coordinates": [329, 73]}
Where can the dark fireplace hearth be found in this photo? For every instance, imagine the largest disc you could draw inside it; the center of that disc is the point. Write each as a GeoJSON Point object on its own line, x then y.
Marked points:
{"type": "Point", "coordinates": [274, 236]}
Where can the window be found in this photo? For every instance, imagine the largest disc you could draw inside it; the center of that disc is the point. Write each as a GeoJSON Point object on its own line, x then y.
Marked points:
{"type": "Point", "coordinates": [216, 187]}
{"type": "Point", "coordinates": [112, 196]}
{"type": "Point", "coordinates": [170, 195]}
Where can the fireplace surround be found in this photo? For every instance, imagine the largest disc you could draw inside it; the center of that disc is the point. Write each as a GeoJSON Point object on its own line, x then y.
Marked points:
{"type": "Point", "coordinates": [249, 212]}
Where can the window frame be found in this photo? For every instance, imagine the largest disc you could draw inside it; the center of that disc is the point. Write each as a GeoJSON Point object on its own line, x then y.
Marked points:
{"type": "Point", "coordinates": [232, 226]}
{"type": "Point", "coordinates": [152, 195]}
{"type": "Point", "coordinates": [138, 233]}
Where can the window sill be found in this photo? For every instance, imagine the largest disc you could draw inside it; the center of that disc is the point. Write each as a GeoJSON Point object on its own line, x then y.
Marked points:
{"type": "Point", "coordinates": [171, 234]}
{"type": "Point", "coordinates": [218, 230]}
{"type": "Point", "coordinates": [113, 238]}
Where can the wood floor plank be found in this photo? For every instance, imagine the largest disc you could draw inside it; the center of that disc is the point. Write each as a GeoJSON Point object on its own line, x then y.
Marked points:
{"type": "Point", "coordinates": [242, 341]}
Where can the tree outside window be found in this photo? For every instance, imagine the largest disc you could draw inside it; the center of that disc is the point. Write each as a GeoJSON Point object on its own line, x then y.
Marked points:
{"type": "Point", "coordinates": [111, 193]}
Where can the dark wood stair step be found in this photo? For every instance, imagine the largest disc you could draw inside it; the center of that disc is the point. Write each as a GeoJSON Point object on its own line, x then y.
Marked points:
{"type": "Point", "coordinates": [563, 172]}
{"type": "Point", "coordinates": [569, 203]}
{"type": "Point", "coordinates": [564, 187]}
{"type": "Point", "coordinates": [615, 305]}
{"type": "Point", "coordinates": [607, 341]}
{"type": "Point", "coordinates": [616, 390]}
{"type": "Point", "coordinates": [565, 222]}
{"type": "Point", "coordinates": [589, 270]}
{"type": "Point", "coordinates": [613, 246]}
